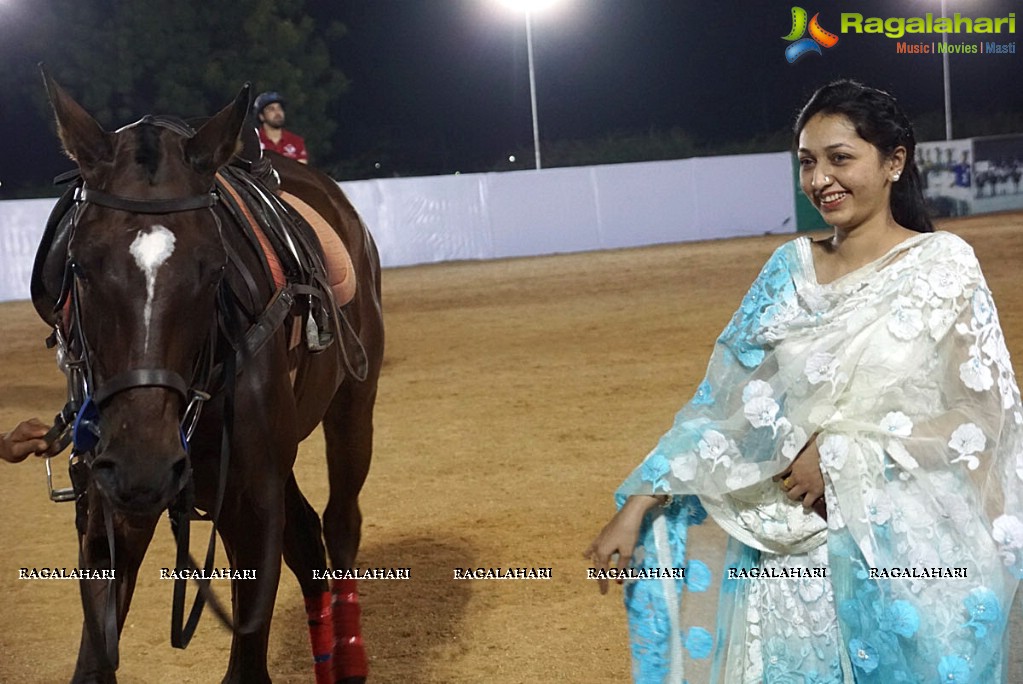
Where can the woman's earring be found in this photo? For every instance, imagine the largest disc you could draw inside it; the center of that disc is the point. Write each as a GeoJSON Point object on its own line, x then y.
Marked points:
{"type": "Point", "coordinates": [895, 177]}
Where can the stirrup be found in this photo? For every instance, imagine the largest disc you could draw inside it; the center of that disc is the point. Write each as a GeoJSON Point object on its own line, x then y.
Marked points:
{"type": "Point", "coordinates": [318, 337]}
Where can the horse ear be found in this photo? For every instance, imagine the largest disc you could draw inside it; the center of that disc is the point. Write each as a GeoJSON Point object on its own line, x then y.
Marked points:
{"type": "Point", "coordinates": [219, 138]}
{"type": "Point", "coordinates": [83, 138]}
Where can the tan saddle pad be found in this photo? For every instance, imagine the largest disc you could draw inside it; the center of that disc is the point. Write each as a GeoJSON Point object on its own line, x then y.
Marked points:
{"type": "Point", "coordinates": [337, 261]}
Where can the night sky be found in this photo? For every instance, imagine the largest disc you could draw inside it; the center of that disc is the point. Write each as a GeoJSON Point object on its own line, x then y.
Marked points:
{"type": "Point", "coordinates": [444, 84]}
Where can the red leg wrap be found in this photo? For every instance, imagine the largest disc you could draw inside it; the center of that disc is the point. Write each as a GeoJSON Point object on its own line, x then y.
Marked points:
{"type": "Point", "coordinates": [321, 635]}
{"type": "Point", "coordinates": [349, 651]}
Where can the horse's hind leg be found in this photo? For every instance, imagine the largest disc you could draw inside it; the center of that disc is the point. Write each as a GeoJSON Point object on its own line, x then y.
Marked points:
{"type": "Point", "coordinates": [131, 539]}
{"type": "Point", "coordinates": [305, 555]}
{"type": "Point", "coordinates": [348, 429]}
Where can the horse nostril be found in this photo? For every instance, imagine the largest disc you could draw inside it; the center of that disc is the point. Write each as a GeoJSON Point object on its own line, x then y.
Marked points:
{"type": "Point", "coordinates": [104, 469]}
{"type": "Point", "coordinates": [102, 464]}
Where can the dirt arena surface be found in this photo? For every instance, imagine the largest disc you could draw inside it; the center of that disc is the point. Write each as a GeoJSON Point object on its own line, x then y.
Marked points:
{"type": "Point", "coordinates": [515, 396]}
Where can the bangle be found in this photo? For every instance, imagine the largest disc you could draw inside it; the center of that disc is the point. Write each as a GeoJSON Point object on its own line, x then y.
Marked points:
{"type": "Point", "coordinates": [665, 499]}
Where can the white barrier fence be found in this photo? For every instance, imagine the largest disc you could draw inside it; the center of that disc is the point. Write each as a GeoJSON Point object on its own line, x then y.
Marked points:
{"type": "Point", "coordinates": [522, 213]}
{"type": "Point", "coordinates": [21, 226]}
{"type": "Point", "coordinates": [525, 213]}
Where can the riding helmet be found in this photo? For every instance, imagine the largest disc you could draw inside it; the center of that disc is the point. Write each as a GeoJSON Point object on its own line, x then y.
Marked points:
{"type": "Point", "coordinates": [265, 99]}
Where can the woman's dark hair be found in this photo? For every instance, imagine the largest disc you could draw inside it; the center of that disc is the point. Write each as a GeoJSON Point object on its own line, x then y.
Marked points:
{"type": "Point", "coordinates": [879, 120]}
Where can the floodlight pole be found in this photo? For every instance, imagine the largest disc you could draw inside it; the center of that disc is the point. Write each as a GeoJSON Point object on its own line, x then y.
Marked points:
{"type": "Point", "coordinates": [945, 77]}
{"type": "Point", "coordinates": [532, 86]}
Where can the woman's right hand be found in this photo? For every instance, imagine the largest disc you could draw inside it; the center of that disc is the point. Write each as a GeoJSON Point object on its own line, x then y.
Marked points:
{"type": "Point", "coordinates": [619, 536]}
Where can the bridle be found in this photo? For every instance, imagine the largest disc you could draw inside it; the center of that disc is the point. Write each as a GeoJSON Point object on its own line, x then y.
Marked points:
{"type": "Point", "coordinates": [193, 393]}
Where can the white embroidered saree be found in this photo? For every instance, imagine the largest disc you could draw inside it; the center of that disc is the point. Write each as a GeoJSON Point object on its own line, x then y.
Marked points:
{"type": "Point", "coordinates": [901, 368]}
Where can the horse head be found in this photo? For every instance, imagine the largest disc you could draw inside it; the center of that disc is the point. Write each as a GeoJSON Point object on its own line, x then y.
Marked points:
{"type": "Point", "coordinates": [146, 259]}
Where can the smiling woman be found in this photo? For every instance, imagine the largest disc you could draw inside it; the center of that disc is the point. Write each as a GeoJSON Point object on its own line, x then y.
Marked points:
{"type": "Point", "coordinates": [869, 371]}
{"type": "Point", "coordinates": [857, 166]}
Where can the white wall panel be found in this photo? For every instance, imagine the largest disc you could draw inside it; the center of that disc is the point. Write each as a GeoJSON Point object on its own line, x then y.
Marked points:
{"type": "Point", "coordinates": [743, 195]}
{"type": "Point", "coordinates": [427, 219]}
{"type": "Point", "coordinates": [543, 212]}
{"type": "Point", "coordinates": [21, 227]}
{"type": "Point", "coordinates": [646, 204]}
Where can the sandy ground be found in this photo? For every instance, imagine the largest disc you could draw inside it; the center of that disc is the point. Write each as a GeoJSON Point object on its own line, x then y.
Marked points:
{"type": "Point", "coordinates": [515, 397]}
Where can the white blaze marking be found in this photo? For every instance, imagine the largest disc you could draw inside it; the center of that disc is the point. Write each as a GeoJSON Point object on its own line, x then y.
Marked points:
{"type": "Point", "coordinates": [150, 251]}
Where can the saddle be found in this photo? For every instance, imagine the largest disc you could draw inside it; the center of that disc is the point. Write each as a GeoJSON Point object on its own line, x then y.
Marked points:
{"type": "Point", "coordinates": [336, 260]}
{"type": "Point", "coordinates": [288, 247]}
{"type": "Point", "coordinates": [292, 242]}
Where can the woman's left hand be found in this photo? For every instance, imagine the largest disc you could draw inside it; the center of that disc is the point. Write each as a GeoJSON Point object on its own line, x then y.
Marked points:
{"type": "Point", "coordinates": [803, 479]}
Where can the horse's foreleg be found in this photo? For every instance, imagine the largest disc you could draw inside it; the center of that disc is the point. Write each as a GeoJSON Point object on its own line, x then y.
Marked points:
{"type": "Point", "coordinates": [131, 539]}
{"type": "Point", "coordinates": [305, 555]}
{"type": "Point", "coordinates": [252, 531]}
{"type": "Point", "coordinates": [348, 430]}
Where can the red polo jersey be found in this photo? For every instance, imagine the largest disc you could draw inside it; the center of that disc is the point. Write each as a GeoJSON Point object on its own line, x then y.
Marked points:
{"type": "Point", "coordinates": [290, 145]}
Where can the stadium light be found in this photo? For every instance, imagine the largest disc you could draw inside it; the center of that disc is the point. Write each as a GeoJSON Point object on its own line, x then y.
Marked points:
{"type": "Point", "coordinates": [945, 77]}
{"type": "Point", "coordinates": [529, 7]}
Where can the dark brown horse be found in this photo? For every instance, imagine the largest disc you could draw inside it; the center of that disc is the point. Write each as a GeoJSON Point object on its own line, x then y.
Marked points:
{"type": "Point", "coordinates": [153, 264]}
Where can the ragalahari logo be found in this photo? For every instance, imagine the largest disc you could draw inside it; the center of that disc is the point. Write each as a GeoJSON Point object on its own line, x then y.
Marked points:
{"type": "Point", "coordinates": [818, 36]}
